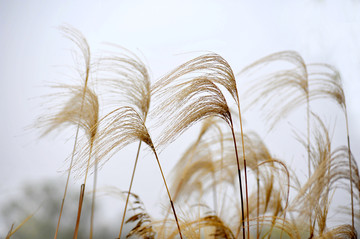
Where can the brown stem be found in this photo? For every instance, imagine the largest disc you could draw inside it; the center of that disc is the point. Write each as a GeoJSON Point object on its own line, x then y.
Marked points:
{"type": "Point", "coordinates": [168, 192]}
{"type": "Point", "coordinates": [81, 199]}
{"type": "Point", "coordinates": [350, 169]}
{"type": "Point", "coordinates": [239, 174]}
{"type": "Point", "coordinates": [131, 183]}
{"type": "Point", "coordinates": [244, 159]}
{"type": "Point", "coordinates": [9, 233]}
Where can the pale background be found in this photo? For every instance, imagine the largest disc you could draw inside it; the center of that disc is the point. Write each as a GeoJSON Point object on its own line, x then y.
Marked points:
{"type": "Point", "coordinates": [33, 52]}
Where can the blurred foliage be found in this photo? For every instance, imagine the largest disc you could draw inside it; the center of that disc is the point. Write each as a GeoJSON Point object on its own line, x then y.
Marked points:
{"type": "Point", "coordinates": [44, 201]}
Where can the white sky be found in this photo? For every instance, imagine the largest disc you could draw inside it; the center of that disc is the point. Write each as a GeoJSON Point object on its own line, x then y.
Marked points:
{"type": "Point", "coordinates": [32, 49]}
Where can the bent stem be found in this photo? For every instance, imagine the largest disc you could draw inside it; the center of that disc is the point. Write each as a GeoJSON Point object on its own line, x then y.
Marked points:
{"type": "Point", "coordinates": [244, 159]}
{"type": "Point", "coordinates": [128, 195]}
{"type": "Point", "coordinates": [239, 174]}
{"type": "Point", "coordinates": [350, 168]}
{"type": "Point", "coordinates": [168, 192]}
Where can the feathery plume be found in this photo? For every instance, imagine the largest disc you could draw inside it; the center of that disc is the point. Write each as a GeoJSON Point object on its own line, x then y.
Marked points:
{"type": "Point", "coordinates": [326, 81]}
{"type": "Point", "coordinates": [127, 81]}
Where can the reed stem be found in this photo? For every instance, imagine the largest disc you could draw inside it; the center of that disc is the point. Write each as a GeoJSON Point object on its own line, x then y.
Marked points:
{"type": "Point", "coordinates": [168, 192]}
{"type": "Point", "coordinates": [239, 174]}
{"type": "Point", "coordinates": [350, 168]}
{"type": "Point", "coordinates": [81, 199]}
{"type": "Point", "coordinates": [244, 159]}
{"type": "Point", "coordinates": [128, 194]}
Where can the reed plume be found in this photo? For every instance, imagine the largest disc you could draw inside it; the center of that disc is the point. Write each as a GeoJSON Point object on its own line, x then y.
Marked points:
{"type": "Point", "coordinates": [291, 88]}
{"type": "Point", "coordinates": [50, 121]}
{"type": "Point", "coordinates": [330, 166]}
{"type": "Point", "coordinates": [327, 83]}
{"type": "Point", "coordinates": [128, 83]}
{"type": "Point", "coordinates": [119, 128]}
{"type": "Point", "coordinates": [193, 93]}
{"type": "Point", "coordinates": [78, 110]}
{"type": "Point", "coordinates": [211, 67]}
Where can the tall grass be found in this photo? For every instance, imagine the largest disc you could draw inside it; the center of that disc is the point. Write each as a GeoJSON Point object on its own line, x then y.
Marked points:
{"type": "Point", "coordinates": [208, 174]}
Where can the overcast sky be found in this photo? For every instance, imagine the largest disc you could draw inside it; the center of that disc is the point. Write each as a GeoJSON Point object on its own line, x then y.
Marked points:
{"type": "Point", "coordinates": [33, 52]}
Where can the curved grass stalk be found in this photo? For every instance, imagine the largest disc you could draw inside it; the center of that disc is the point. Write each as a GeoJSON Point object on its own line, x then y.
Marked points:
{"type": "Point", "coordinates": [327, 83]}
{"type": "Point", "coordinates": [287, 82]}
{"type": "Point", "coordinates": [12, 231]}
{"type": "Point", "coordinates": [215, 69]}
{"type": "Point", "coordinates": [288, 187]}
{"type": "Point", "coordinates": [191, 101]}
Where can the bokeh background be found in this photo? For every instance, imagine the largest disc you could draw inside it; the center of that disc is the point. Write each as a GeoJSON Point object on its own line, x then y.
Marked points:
{"type": "Point", "coordinates": [34, 53]}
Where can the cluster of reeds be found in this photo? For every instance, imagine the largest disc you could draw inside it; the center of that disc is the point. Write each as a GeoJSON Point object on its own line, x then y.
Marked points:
{"type": "Point", "coordinates": [227, 184]}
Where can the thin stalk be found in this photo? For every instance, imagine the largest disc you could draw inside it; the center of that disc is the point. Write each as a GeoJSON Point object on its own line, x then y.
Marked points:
{"type": "Point", "coordinates": [82, 191]}
{"type": "Point", "coordinates": [168, 192]}
{"type": "Point", "coordinates": [81, 199]}
{"type": "Point", "coordinates": [9, 233]}
{"type": "Point", "coordinates": [239, 174]}
{"type": "Point", "coordinates": [257, 204]}
{"type": "Point", "coordinates": [308, 152]}
{"type": "Point", "coordinates": [128, 195]}
{"type": "Point", "coordinates": [93, 201]}
{"type": "Point", "coordinates": [350, 168]}
{"type": "Point", "coordinates": [12, 231]}
{"type": "Point", "coordinates": [244, 159]}
{"type": "Point", "coordinates": [74, 148]}
{"type": "Point", "coordinates": [214, 193]}
{"type": "Point", "coordinates": [68, 177]}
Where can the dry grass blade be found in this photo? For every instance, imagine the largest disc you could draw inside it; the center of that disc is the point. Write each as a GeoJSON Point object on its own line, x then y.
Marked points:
{"type": "Point", "coordinates": [13, 231]}
{"type": "Point", "coordinates": [212, 225]}
{"type": "Point", "coordinates": [143, 227]}
{"type": "Point", "coordinates": [272, 161]}
{"type": "Point", "coordinates": [343, 231]}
